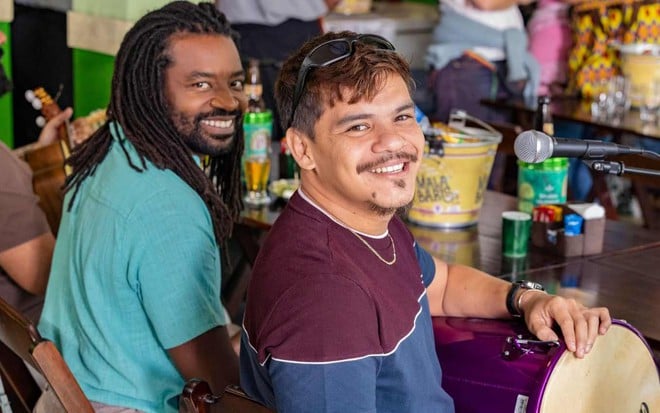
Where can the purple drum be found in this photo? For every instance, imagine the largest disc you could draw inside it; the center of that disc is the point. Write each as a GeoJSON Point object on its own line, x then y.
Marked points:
{"type": "Point", "coordinates": [497, 366]}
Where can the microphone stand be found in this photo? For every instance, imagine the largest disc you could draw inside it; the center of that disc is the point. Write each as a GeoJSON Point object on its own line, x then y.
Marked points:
{"type": "Point", "coordinates": [617, 168]}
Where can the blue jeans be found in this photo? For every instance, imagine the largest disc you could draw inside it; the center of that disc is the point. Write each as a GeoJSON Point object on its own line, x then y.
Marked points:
{"type": "Point", "coordinates": [580, 180]}
{"type": "Point", "coordinates": [463, 83]}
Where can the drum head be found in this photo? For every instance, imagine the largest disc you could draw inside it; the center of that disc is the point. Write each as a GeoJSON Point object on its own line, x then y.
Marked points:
{"type": "Point", "coordinates": [618, 375]}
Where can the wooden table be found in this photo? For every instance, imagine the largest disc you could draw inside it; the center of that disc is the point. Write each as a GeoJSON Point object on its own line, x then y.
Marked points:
{"type": "Point", "coordinates": [572, 109]}
{"type": "Point", "coordinates": [627, 282]}
{"type": "Point", "coordinates": [484, 241]}
{"type": "Point", "coordinates": [624, 277]}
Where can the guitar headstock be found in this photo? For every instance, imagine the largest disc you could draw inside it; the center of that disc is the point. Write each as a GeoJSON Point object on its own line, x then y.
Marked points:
{"type": "Point", "coordinates": [43, 102]}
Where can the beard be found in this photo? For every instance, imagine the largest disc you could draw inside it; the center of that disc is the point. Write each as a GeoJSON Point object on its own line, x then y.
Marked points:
{"type": "Point", "coordinates": [200, 142]}
{"type": "Point", "coordinates": [401, 211]}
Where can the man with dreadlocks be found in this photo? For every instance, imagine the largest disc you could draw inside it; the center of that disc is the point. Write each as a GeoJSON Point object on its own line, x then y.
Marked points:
{"type": "Point", "coordinates": [133, 300]}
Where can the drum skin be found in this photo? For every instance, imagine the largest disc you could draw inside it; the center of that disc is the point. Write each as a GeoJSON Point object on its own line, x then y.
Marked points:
{"type": "Point", "coordinates": [618, 375]}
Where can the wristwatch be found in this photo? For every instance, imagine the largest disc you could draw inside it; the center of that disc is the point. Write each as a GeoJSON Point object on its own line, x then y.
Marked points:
{"type": "Point", "coordinates": [510, 297]}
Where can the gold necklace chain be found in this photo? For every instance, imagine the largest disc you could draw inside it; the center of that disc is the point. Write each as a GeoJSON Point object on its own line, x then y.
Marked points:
{"type": "Point", "coordinates": [376, 252]}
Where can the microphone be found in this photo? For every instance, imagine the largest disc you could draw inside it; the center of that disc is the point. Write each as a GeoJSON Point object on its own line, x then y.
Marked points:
{"type": "Point", "coordinates": [532, 146]}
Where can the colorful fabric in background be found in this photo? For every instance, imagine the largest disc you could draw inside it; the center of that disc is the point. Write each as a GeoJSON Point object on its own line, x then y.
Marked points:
{"type": "Point", "coordinates": [597, 26]}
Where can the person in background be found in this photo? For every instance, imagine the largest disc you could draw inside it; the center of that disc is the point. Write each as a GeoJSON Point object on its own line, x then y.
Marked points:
{"type": "Point", "coordinates": [549, 32]}
{"type": "Point", "coordinates": [270, 30]}
{"type": "Point", "coordinates": [133, 300]}
{"type": "Point", "coordinates": [26, 241]}
{"type": "Point", "coordinates": [338, 317]}
{"type": "Point", "coordinates": [479, 51]}
{"type": "Point", "coordinates": [550, 41]}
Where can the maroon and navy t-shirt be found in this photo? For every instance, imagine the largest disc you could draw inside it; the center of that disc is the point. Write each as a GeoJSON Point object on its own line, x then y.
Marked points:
{"type": "Point", "coordinates": [330, 326]}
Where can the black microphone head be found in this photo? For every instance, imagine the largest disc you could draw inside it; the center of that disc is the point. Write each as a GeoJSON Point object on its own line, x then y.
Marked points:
{"type": "Point", "coordinates": [533, 146]}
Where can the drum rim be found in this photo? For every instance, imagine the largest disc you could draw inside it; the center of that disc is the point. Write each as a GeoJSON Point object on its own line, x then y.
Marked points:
{"type": "Point", "coordinates": [536, 398]}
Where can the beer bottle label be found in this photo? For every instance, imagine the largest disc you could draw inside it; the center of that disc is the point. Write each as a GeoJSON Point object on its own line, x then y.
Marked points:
{"type": "Point", "coordinates": [257, 138]}
{"type": "Point", "coordinates": [549, 128]}
{"type": "Point", "coordinates": [253, 90]}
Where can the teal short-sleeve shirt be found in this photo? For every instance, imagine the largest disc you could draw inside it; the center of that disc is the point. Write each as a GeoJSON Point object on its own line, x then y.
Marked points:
{"type": "Point", "coordinates": [136, 271]}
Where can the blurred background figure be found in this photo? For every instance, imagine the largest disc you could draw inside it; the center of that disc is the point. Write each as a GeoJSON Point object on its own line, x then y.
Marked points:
{"type": "Point", "coordinates": [270, 30]}
{"type": "Point", "coordinates": [479, 50]}
{"type": "Point", "coordinates": [26, 242]}
{"type": "Point", "coordinates": [550, 41]}
{"type": "Point", "coordinates": [26, 239]}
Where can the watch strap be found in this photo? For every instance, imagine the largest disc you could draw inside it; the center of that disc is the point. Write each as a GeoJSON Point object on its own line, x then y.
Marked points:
{"type": "Point", "coordinates": [511, 295]}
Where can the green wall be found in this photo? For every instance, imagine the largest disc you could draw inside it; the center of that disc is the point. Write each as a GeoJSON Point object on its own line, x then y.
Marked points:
{"type": "Point", "coordinates": [91, 81]}
{"type": "Point", "coordinates": [6, 111]}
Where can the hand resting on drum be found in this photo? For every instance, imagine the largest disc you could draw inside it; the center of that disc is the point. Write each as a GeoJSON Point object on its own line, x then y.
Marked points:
{"type": "Point", "coordinates": [461, 291]}
{"type": "Point", "coordinates": [579, 325]}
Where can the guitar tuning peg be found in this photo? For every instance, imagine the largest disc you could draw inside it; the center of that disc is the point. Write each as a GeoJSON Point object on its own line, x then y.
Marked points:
{"type": "Point", "coordinates": [40, 121]}
{"type": "Point", "coordinates": [29, 95]}
{"type": "Point", "coordinates": [37, 104]}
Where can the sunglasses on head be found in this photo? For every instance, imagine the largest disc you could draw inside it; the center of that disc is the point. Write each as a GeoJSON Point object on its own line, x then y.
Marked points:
{"type": "Point", "coordinates": [328, 53]}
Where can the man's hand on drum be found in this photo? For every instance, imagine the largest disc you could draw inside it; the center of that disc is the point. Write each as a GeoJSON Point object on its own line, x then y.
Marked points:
{"type": "Point", "coordinates": [579, 325]}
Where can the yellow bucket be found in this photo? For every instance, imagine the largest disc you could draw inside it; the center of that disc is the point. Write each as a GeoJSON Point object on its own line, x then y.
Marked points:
{"type": "Point", "coordinates": [451, 184]}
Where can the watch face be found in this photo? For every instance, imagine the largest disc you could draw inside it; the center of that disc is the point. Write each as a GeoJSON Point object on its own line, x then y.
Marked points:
{"type": "Point", "coordinates": [532, 285]}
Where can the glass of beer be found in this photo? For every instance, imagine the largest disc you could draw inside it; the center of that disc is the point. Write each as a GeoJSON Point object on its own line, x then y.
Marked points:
{"type": "Point", "coordinates": [258, 127]}
{"type": "Point", "coordinates": [257, 171]}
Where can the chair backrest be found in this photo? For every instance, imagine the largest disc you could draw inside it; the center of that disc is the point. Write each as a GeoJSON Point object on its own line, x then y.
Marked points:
{"type": "Point", "coordinates": [21, 337]}
{"type": "Point", "coordinates": [198, 398]}
{"type": "Point", "coordinates": [20, 388]}
{"type": "Point", "coordinates": [48, 178]}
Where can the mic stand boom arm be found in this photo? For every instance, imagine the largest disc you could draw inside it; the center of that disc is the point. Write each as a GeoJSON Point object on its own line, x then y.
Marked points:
{"type": "Point", "coordinates": [617, 168]}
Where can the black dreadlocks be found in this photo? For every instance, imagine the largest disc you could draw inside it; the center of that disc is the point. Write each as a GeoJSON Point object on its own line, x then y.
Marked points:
{"type": "Point", "coordinates": [138, 104]}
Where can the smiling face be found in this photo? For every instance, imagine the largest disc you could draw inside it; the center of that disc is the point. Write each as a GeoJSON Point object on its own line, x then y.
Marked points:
{"type": "Point", "coordinates": [204, 89]}
{"type": "Point", "coordinates": [364, 157]}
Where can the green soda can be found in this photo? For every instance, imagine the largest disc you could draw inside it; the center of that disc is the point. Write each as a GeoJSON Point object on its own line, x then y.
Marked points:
{"type": "Point", "coordinates": [542, 183]}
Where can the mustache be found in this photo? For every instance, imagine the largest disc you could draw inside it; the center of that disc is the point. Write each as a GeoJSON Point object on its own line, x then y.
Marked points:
{"type": "Point", "coordinates": [403, 156]}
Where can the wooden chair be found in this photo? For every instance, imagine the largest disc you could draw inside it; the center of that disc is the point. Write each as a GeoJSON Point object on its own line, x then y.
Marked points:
{"type": "Point", "coordinates": [48, 177]}
{"type": "Point", "coordinates": [20, 336]}
{"type": "Point", "coordinates": [198, 398]}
